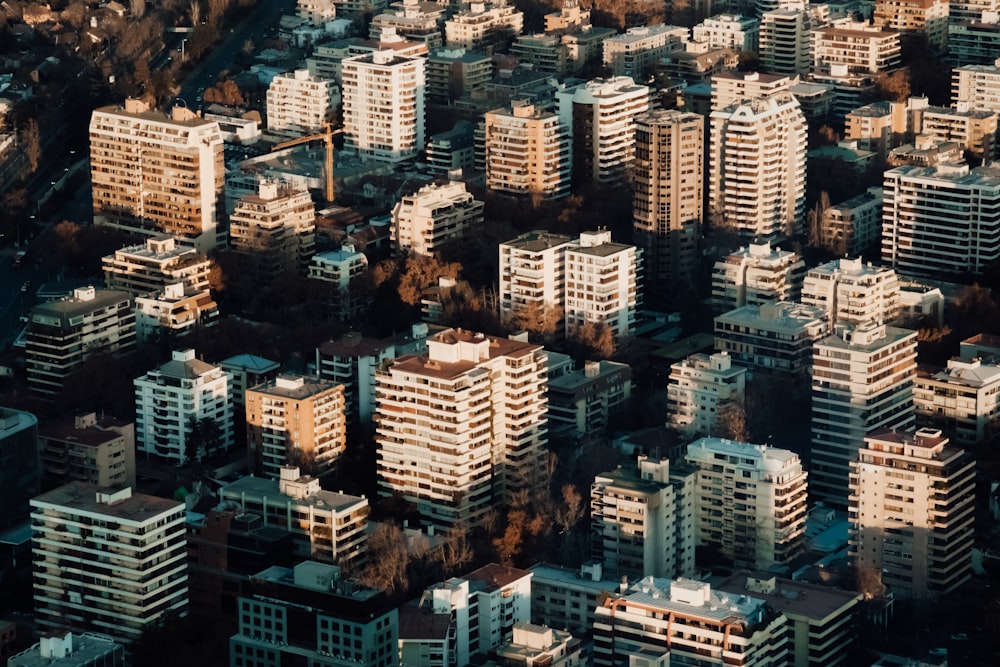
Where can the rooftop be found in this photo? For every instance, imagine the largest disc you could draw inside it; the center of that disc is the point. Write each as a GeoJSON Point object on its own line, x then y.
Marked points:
{"type": "Point", "coordinates": [416, 622]}
{"type": "Point", "coordinates": [250, 362]}
{"type": "Point", "coordinates": [293, 386]}
{"type": "Point", "coordinates": [792, 598]}
{"type": "Point", "coordinates": [537, 241]}
{"type": "Point", "coordinates": [494, 576]}
{"type": "Point", "coordinates": [260, 488]}
{"type": "Point", "coordinates": [134, 508]}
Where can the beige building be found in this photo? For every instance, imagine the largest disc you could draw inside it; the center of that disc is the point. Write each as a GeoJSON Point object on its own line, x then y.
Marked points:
{"type": "Point", "coordinates": [974, 129]}
{"type": "Point", "coordinates": [383, 105]}
{"type": "Point", "coordinates": [480, 24]}
{"type": "Point", "coordinates": [862, 380]}
{"type": "Point", "coordinates": [532, 270]}
{"type": "Point", "coordinates": [416, 20]}
{"type": "Point", "coordinates": [153, 173]}
{"type": "Point", "coordinates": [920, 17]}
{"type": "Point", "coordinates": [475, 439]}
{"type": "Point", "coordinates": [527, 151]}
{"type": "Point", "coordinates": [295, 420]}
{"type": "Point", "coordinates": [436, 221]}
{"type": "Point", "coordinates": [274, 230]}
{"type": "Point", "coordinates": [635, 52]}
{"type": "Point", "coordinates": [912, 507]}
{"type": "Point", "coordinates": [962, 399]}
{"type": "Point", "coordinates": [755, 275]}
{"type": "Point", "coordinates": [750, 501]}
{"type": "Point", "coordinates": [700, 387]}
{"type": "Point", "coordinates": [858, 46]}
{"type": "Point", "coordinates": [173, 313]}
{"type": "Point", "coordinates": [96, 451]}
{"type": "Point", "coordinates": [851, 291]}
{"type": "Point", "coordinates": [854, 226]}
{"type": "Point", "coordinates": [152, 266]}
{"type": "Point", "coordinates": [668, 202]}
{"type": "Point", "coordinates": [977, 86]}
{"type": "Point", "coordinates": [733, 87]}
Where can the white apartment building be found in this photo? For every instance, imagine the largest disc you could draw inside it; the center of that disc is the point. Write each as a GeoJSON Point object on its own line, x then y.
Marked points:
{"type": "Point", "coordinates": [416, 20]}
{"type": "Point", "coordinates": [733, 87]}
{"type": "Point", "coordinates": [107, 561]}
{"type": "Point", "coordinates": [62, 334]}
{"type": "Point", "coordinates": [637, 50]}
{"type": "Point", "coordinates": [383, 105]}
{"type": "Point", "coordinates": [699, 388]}
{"type": "Point", "coordinates": [912, 508]}
{"type": "Point", "coordinates": [477, 26]}
{"type": "Point", "coordinates": [299, 104]}
{"type": "Point", "coordinates": [325, 526]}
{"type": "Point", "coordinates": [316, 12]}
{"type": "Point", "coordinates": [943, 220]}
{"type": "Point", "coordinates": [151, 266]}
{"type": "Point", "coordinates": [475, 439]}
{"type": "Point", "coordinates": [601, 115]}
{"type": "Point", "coordinates": [643, 519]}
{"type": "Point", "coordinates": [532, 273]}
{"type": "Point", "coordinates": [773, 338]}
{"type": "Point", "coordinates": [729, 31]}
{"type": "Point", "coordinates": [785, 36]}
{"type": "Point", "coordinates": [978, 86]}
{"type": "Point", "coordinates": [435, 221]}
{"type": "Point", "coordinates": [862, 380]}
{"type": "Point", "coordinates": [858, 46]}
{"type": "Point", "coordinates": [668, 203]}
{"type": "Point", "coordinates": [172, 404]}
{"type": "Point", "coordinates": [173, 313]}
{"type": "Point", "coordinates": [962, 399]}
{"type": "Point", "coordinates": [295, 420]}
{"type": "Point", "coordinates": [853, 227]}
{"type": "Point", "coordinates": [341, 277]}
{"type": "Point", "coordinates": [661, 622]}
{"type": "Point", "coordinates": [274, 230]}
{"type": "Point", "coordinates": [757, 167]}
{"type": "Point", "coordinates": [602, 283]}
{"type": "Point", "coordinates": [152, 173]}
{"type": "Point", "coordinates": [537, 644]}
{"type": "Point", "coordinates": [527, 151]}
{"type": "Point", "coordinates": [851, 291]}
{"type": "Point", "coordinates": [750, 501]}
{"type": "Point", "coordinates": [756, 274]}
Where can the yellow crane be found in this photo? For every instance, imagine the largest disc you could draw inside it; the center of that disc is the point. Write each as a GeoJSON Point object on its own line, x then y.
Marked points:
{"type": "Point", "coordinates": [327, 137]}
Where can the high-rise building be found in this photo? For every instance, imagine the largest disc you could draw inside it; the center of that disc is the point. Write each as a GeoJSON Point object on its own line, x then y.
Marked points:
{"type": "Point", "coordinates": [383, 105]}
{"type": "Point", "coordinates": [485, 422]}
{"type": "Point", "coordinates": [153, 173]}
{"type": "Point", "coordinates": [312, 612]}
{"type": "Point", "coordinates": [862, 380]}
{"type": "Point", "coordinates": [20, 468]}
{"type": "Point", "coordinates": [700, 388]}
{"type": "Point", "coordinates": [298, 104]}
{"type": "Point", "coordinates": [978, 86]}
{"type": "Point", "coordinates": [601, 115]}
{"type": "Point", "coordinates": [858, 46]}
{"type": "Point", "coordinates": [107, 560]}
{"type": "Point", "coordinates": [298, 421]}
{"type": "Point", "coordinates": [527, 151]}
{"type": "Point", "coordinates": [436, 220]}
{"type": "Point", "coordinates": [637, 50]}
{"type": "Point", "coordinates": [757, 167]}
{"type": "Point", "coordinates": [602, 284]}
{"type": "Point", "coordinates": [643, 519]}
{"type": "Point", "coordinates": [943, 220]}
{"type": "Point", "coordinates": [274, 230]}
{"type": "Point", "coordinates": [183, 410]}
{"type": "Point", "coordinates": [96, 451]}
{"type": "Point", "coordinates": [733, 87]}
{"type": "Point", "coordinates": [483, 24]}
{"type": "Point", "coordinates": [664, 622]}
{"type": "Point", "coordinates": [912, 507]}
{"type": "Point", "coordinates": [785, 41]}
{"type": "Point", "coordinates": [62, 334]}
{"type": "Point", "coordinates": [851, 291]}
{"type": "Point", "coordinates": [773, 338]}
{"type": "Point", "coordinates": [915, 17]}
{"type": "Point", "coordinates": [155, 264]}
{"type": "Point", "coordinates": [962, 399]}
{"type": "Point", "coordinates": [755, 275]}
{"type": "Point", "coordinates": [533, 276]}
{"type": "Point", "coordinates": [668, 199]}
{"type": "Point", "coordinates": [751, 501]}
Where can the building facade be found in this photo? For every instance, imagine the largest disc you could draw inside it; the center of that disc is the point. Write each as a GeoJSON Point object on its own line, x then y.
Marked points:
{"type": "Point", "coordinates": [274, 231]}
{"type": "Point", "coordinates": [851, 291]}
{"type": "Point", "coordinates": [96, 451]}
{"type": "Point", "coordinates": [962, 399]}
{"type": "Point", "coordinates": [298, 104]}
{"type": "Point", "coordinates": [527, 151]}
{"type": "Point", "coordinates": [155, 264]}
{"type": "Point", "coordinates": [602, 284]}
{"type": "Point", "coordinates": [774, 338]}
{"type": "Point", "coordinates": [701, 387]}
{"type": "Point", "coordinates": [635, 52]}
{"type": "Point", "coordinates": [585, 400]}
{"type": "Point", "coordinates": [754, 275]}
{"type": "Point", "coordinates": [435, 221]}
{"type": "Point", "coordinates": [20, 467]}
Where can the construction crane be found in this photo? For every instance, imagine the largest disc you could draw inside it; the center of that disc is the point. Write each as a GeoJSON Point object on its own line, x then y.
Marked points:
{"type": "Point", "coordinates": [327, 137]}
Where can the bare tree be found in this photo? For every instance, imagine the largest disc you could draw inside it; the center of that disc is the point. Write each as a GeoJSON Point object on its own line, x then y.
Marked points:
{"type": "Point", "coordinates": [731, 422]}
{"type": "Point", "coordinates": [388, 559]}
{"type": "Point", "coordinates": [138, 8]}
{"type": "Point", "coordinates": [31, 144]}
{"type": "Point", "coordinates": [195, 8]}
{"type": "Point", "coordinates": [572, 510]}
{"type": "Point", "coordinates": [455, 550]}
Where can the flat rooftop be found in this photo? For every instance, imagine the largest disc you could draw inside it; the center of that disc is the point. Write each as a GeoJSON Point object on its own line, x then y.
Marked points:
{"type": "Point", "coordinates": [259, 488]}
{"type": "Point", "coordinates": [79, 497]}
{"type": "Point", "coordinates": [793, 597]}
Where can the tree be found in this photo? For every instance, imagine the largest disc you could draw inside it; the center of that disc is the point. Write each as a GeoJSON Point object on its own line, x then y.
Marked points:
{"type": "Point", "coordinates": [138, 8]}
{"type": "Point", "coordinates": [194, 441]}
{"type": "Point", "coordinates": [455, 550]}
{"type": "Point", "coordinates": [31, 144]}
{"type": "Point", "coordinates": [731, 421]}
{"type": "Point", "coordinates": [388, 560]}
{"type": "Point", "coordinates": [593, 340]}
{"type": "Point", "coordinates": [572, 509]}
{"type": "Point", "coordinates": [510, 543]}
{"type": "Point", "coordinates": [536, 318]}
{"type": "Point", "coordinates": [420, 272]}
{"type": "Point", "coordinates": [211, 435]}
{"type": "Point", "coordinates": [894, 87]}
{"type": "Point", "coordinates": [195, 8]}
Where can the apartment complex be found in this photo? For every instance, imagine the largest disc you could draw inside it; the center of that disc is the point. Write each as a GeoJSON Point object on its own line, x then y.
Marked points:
{"type": "Point", "coordinates": [479, 25]}
{"type": "Point", "coordinates": [463, 427]}
{"type": "Point", "coordinates": [325, 525]}
{"type": "Point", "coordinates": [152, 266]}
{"type": "Point", "coordinates": [152, 173]}
{"type": "Point", "coordinates": [20, 469]}
{"type": "Point", "coordinates": [183, 410]}
{"type": "Point", "coordinates": [527, 151]}
{"type": "Point", "coordinates": [663, 621]}
{"type": "Point", "coordinates": [851, 291]}
{"type": "Point", "coordinates": [295, 420]}
{"type": "Point", "coordinates": [601, 115]}
{"type": "Point", "coordinates": [635, 52]}
{"type": "Point", "coordinates": [912, 506]}
{"type": "Point", "coordinates": [978, 86]}
{"type": "Point", "coordinates": [854, 226]}
{"type": "Point", "coordinates": [858, 47]}
{"type": "Point", "coordinates": [435, 221]}
{"type": "Point", "coordinates": [757, 167]}
{"type": "Point", "coordinates": [701, 387]}
{"type": "Point", "coordinates": [862, 380]}
{"type": "Point", "coordinates": [773, 338]}
{"type": "Point", "coordinates": [728, 31]}
{"type": "Point", "coordinates": [941, 220]}
{"type": "Point", "coordinates": [107, 560]}
{"type": "Point", "coordinates": [602, 284]}
{"type": "Point", "coordinates": [274, 230]}
{"type": "Point", "coordinates": [299, 104]}
{"type": "Point", "coordinates": [383, 105]}
{"type": "Point", "coordinates": [785, 36]}
{"type": "Point", "coordinates": [751, 501]}
{"type": "Point", "coordinates": [962, 399]}
{"type": "Point", "coordinates": [62, 334]}
{"type": "Point", "coordinates": [172, 314]}
{"type": "Point", "coordinates": [668, 203]}
{"type": "Point", "coordinates": [585, 400]}
{"type": "Point", "coordinates": [755, 275]}
{"type": "Point", "coordinates": [919, 17]}
{"type": "Point", "coordinates": [96, 451]}
{"type": "Point", "coordinates": [643, 519]}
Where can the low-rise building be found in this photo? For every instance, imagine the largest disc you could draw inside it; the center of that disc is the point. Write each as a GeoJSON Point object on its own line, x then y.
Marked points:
{"type": "Point", "coordinates": [585, 400]}
{"type": "Point", "coordinates": [775, 338]}
{"type": "Point", "coordinates": [484, 24]}
{"type": "Point", "coordinates": [755, 275]}
{"type": "Point", "coordinates": [173, 313]}
{"type": "Point", "coordinates": [962, 399]}
{"type": "Point", "coordinates": [65, 649]}
{"type": "Point", "coordinates": [975, 130]}
{"type": "Point", "coordinates": [436, 221]}
{"type": "Point", "coordinates": [538, 645]}
{"type": "Point", "coordinates": [700, 388]}
{"type": "Point", "coordinates": [155, 264]}
{"type": "Point", "coordinates": [851, 291]}
{"type": "Point", "coordinates": [96, 451]}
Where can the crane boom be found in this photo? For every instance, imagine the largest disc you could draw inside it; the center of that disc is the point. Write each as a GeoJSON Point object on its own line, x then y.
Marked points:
{"type": "Point", "coordinates": [327, 137]}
